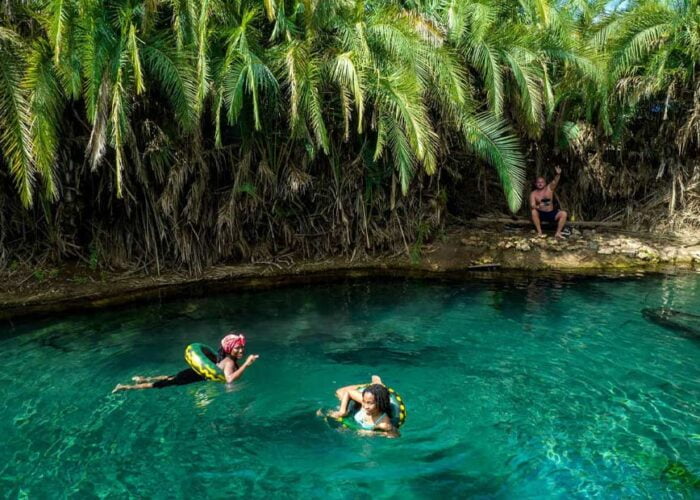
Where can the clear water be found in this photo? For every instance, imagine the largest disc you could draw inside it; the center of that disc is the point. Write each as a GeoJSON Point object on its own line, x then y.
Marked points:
{"type": "Point", "coordinates": [533, 388]}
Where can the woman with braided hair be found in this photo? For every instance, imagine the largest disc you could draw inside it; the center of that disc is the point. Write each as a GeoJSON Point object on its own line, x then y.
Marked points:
{"type": "Point", "coordinates": [375, 414]}
{"type": "Point", "coordinates": [231, 350]}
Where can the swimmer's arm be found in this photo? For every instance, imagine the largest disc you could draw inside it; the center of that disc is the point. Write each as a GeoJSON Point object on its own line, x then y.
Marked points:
{"type": "Point", "coordinates": [381, 429]}
{"type": "Point", "coordinates": [231, 373]}
{"type": "Point", "coordinates": [387, 429]}
{"type": "Point", "coordinates": [343, 410]}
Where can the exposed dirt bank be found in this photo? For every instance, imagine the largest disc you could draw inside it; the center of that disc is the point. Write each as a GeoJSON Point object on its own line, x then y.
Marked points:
{"type": "Point", "coordinates": [461, 250]}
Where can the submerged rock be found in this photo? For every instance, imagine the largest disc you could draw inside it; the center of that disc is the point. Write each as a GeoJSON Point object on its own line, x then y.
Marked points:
{"type": "Point", "coordinates": [671, 319]}
{"type": "Point", "coordinates": [678, 472]}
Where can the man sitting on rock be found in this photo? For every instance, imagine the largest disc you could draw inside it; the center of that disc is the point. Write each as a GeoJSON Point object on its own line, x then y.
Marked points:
{"type": "Point", "coordinates": [542, 205]}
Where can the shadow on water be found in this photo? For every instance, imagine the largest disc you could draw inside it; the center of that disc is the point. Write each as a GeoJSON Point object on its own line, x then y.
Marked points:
{"type": "Point", "coordinates": [455, 484]}
{"type": "Point", "coordinates": [528, 296]}
{"type": "Point", "coordinates": [376, 353]}
{"type": "Point", "coordinates": [677, 321]}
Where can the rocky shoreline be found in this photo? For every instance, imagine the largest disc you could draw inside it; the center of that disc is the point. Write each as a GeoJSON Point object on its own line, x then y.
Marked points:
{"type": "Point", "coordinates": [460, 252]}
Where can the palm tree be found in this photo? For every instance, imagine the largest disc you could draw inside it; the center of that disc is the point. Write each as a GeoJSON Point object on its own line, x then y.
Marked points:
{"type": "Point", "coordinates": [655, 51]}
{"type": "Point", "coordinates": [215, 117]}
{"type": "Point", "coordinates": [393, 68]}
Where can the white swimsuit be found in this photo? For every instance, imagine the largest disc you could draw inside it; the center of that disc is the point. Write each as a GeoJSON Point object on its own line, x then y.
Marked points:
{"type": "Point", "coordinates": [360, 417]}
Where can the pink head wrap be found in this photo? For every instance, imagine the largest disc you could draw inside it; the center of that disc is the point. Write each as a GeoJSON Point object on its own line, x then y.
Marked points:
{"type": "Point", "coordinates": [231, 341]}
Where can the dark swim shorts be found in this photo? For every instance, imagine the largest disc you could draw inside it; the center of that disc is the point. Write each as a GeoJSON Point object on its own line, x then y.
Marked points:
{"type": "Point", "coordinates": [184, 377]}
{"type": "Point", "coordinates": [548, 216]}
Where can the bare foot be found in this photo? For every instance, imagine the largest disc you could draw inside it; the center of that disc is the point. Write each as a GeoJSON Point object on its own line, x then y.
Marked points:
{"type": "Point", "coordinates": [377, 380]}
{"type": "Point", "coordinates": [118, 387]}
{"type": "Point", "coordinates": [139, 379]}
{"type": "Point", "coordinates": [559, 236]}
{"type": "Point", "coordinates": [541, 235]}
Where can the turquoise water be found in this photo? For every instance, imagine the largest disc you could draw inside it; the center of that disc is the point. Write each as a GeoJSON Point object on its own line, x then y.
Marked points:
{"type": "Point", "coordinates": [526, 389]}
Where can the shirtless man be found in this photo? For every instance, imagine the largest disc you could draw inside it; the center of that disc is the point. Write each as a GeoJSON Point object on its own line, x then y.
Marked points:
{"type": "Point", "coordinates": [542, 207]}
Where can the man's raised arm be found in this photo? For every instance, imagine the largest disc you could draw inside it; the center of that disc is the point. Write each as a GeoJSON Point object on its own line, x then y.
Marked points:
{"type": "Point", "coordinates": [555, 182]}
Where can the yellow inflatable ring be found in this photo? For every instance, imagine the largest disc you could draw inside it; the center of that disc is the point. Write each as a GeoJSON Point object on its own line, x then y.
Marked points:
{"type": "Point", "coordinates": [398, 409]}
{"type": "Point", "coordinates": [201, 359]}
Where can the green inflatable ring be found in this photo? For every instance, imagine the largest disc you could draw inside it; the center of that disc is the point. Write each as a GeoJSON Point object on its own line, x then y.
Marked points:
{"type": "Point", "coordinates": [201, 358]}
{"type": "Point", "coordinates": [397, 405]}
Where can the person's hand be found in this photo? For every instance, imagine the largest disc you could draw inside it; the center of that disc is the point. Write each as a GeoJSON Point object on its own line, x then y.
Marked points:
{"type": "Point", "coordinates": [557, 170]}
{"type": "Point", "coordinates": [251, 359]}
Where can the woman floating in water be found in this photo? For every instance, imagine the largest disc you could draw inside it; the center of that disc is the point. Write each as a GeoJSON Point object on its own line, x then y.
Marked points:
{"type": "Point", "coordinates": [375, 413]}
{"type": "Point", "coordinates": [231, 350]}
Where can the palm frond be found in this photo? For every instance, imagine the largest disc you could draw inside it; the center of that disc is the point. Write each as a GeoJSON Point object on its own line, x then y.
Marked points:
{"type": "Point", "coordinates": [487, 62]}
{"type": "Point", "coordinates": [402, 154]}
{"type": "Point", "coordinates": [202, 32]}
{"type": "Point", "coordinates": [135, 59]}
{"type": "Point", "coordinates": [641, 44]}
{"type": "Point", "coordinates": [46, 100]}
{"type": "Point", "coordinates": [491, 139]}
{"type": "Point", "coordinates": [100, 121]}
{"type": "Point", "coordinates": [448, 86]}
{"type": "Point", "coordinates": [349, 78]}
{"type": "Point", "coordinates": [58, 11]}
{"type": "Point", "coordinates": [118, 122]}
{"type": "Point", "coordinates": [311, 101]}
{"type": "Point", "coordinates": [259, 78]}
{"type": "Point", "coordinates": [401, 97]}
{"type": "Point", "coordinates": [15, 122]}
{"type": "Point", "coordinates": [529, 87]}
{"type": "Point", "coordinates": [174, 73]}
{"type": "Point", "coordinates": [270, 9]}
{"type": "Point", "coordinates": [303, 79]}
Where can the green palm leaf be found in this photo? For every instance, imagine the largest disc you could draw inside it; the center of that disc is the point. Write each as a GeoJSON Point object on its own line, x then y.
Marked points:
{"type": "Point", "coordinates": [15, 120]}
{"type": "Point", "coordinates": [487, 61]}
{"type": "Point", "coordinates": [491, 140]}
{"type": "Point", "coordinates": [46, 105]}
{"type": "Point", "coordinates": [529, 86]}
{"type": "Point", "coordinates": [173, 71]}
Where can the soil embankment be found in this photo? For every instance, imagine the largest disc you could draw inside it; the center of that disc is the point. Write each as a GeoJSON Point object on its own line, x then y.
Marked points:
{"type": "Point", "coordinates": [459, 250]}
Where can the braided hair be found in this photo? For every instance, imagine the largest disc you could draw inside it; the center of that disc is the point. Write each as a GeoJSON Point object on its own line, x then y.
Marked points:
{"type": "Point", "coordinates": [381, 398]}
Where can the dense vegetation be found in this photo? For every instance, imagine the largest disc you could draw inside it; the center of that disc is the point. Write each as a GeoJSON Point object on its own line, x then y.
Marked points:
{"type": "Point", "coordinates": [188, 132]}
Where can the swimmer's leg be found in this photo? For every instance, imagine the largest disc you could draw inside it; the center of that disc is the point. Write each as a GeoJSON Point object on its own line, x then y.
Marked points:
{"type": "Point", "coordinates": [140, 380]}
{"type": "Point", "coordinates": [356, 395]}
{"type": "Point", "coordinates": [339, 392]}
{"type": "Point", "coordinates": [353, 394]}
{"type": "Point", "coordinates": [124, 387]}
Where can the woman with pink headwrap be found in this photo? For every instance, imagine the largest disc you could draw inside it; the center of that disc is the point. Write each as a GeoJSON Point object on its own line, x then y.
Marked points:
{"type": "Point", "coordinates": [231, 350]}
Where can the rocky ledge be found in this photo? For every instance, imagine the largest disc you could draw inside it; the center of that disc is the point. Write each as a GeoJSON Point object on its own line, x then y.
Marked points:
{"type": "Point", "coordinates": [455, 254]}
{"type": "Point", "coordinates": [581, 250]}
